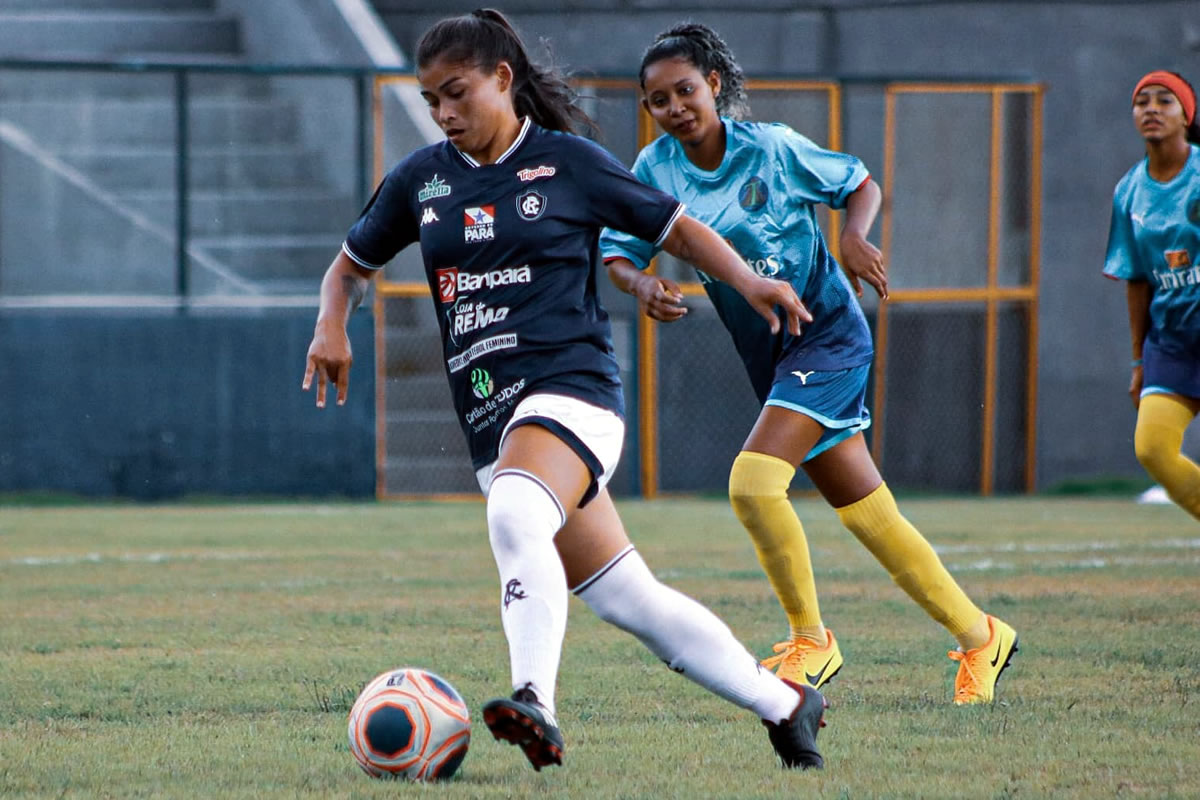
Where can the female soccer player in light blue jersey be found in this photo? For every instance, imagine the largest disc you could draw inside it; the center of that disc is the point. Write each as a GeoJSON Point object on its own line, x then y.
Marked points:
{"type": "Point", "coordinates": [1154, 245]}
{"type": "Point", "coordinates": [757, 185]}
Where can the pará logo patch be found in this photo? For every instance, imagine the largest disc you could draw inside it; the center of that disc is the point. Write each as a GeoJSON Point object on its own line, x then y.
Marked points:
{"type": "Point", "coordinates": [481, 383]}
{"type": "Point", "coordinates": [479, 223]}
{"type": "Point", "coordinates": [753, 194]}
{"type": "Point", "coordinates": [531, 205]}
{"type": "Point", "coordinates": [433, 188]}
{"type": "Point", "coordinates": [1193, 210]}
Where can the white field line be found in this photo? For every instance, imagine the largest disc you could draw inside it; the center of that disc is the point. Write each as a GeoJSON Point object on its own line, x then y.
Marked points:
{"type": "Point", "coordinates": [132, 558]}
{"type": "Point", "coordinates": [991, 565]}
{"type": "Point", "coordinates": [1067, 547]}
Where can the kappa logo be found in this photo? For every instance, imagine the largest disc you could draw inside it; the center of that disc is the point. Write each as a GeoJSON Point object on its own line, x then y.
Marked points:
{"type": "Point", "coordinates": [428, 216]}
{"type": "Point", "coordinates": [531, 205]}
{"type": "Point", "coordinates": [479, 223]}
{"type": "Point", "coordinates": [803, 376]}
{"type": "Point", "coordinates": [433, 188]}
{"type": "Point", "coordinates": [540, 171]}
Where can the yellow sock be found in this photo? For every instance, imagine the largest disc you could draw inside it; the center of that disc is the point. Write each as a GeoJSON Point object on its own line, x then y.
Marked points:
{"type": "Point", "coordinates": [1158, 442]}
{"type": "Point", "coordinates": [758, 487]}
{"type": "Point", "coordinates": [913, 565]}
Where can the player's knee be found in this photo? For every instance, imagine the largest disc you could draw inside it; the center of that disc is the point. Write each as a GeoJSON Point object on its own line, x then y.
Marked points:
{"type": "Point", "coordinates": [1153, 451]}
{"type": "Point", "coordinates": [756, 481]}
{"type": "Point", "coordinates": [520, 513]}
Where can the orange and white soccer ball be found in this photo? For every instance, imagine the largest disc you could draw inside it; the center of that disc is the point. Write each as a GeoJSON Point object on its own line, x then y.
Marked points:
{"type": "Point", "coordinates": [409, 723]}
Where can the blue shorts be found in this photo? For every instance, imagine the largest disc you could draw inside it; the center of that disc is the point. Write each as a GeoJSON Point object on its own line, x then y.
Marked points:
{"type": "Point", "coordinates": [836, 399]}
{"type": "Point", "coordinates": [1169, 373]}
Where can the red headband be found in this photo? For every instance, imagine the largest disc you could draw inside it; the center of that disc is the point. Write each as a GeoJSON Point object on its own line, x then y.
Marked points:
{"type": "Point", "coordinates": [1178, 87]}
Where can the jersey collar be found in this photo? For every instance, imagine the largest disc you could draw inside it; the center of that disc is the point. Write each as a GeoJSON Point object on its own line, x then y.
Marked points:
{"type": "Point", "coordinates": [511, 148]}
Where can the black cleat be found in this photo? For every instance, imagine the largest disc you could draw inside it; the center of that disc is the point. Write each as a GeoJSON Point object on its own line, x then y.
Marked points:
{"type": "Point", "coordinates": [525, 722]}
{"type": "Point", "coordinates": [795, 738]}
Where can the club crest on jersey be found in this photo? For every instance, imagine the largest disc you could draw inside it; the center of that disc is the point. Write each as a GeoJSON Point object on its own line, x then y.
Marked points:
{"type": "Point", "coordinates": [479, 223]}
{"type": "Point", "coordinates": [540, 171]}
{"type": "Point", "coordinates": [1178, 259]}
{"type": "Point", "coordinates": [428, 216]}
{"type": "Point", "coordinates": [753, 194]}
{"type": "Point", "coordinates": [530, 205]}
{"type": "Point", "coordinates": [434, 188]}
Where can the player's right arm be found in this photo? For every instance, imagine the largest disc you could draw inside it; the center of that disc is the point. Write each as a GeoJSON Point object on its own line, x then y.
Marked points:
{"type": "Point", "coordinates": [658, 298]}
{"type": "Point", "coordinates": [1137, 296]}
{"type": "Point", "coordinates": [329, 357]}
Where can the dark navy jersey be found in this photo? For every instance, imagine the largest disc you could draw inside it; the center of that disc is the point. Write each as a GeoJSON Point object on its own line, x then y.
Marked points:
{"type": "Point", "coordinates": [510, 252]}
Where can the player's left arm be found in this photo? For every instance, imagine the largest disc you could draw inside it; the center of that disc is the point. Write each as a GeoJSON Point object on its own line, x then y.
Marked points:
{"type": "Point", "coordinates": [862, 259]}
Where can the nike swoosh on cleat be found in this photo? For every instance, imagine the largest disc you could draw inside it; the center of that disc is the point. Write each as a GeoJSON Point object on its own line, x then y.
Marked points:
{"type": "Point", "coordinates": [813, 679]}
{"type": "Point", "coordinates": [999, 647]}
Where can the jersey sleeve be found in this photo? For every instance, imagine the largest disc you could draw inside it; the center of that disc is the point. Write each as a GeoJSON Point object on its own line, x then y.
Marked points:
{"type": "Point", "coordinates": [1120, 259]}
{"type": "Point", "coordinates": [618, 244]}
{"type": "Point", "coordinates": [817, 175]}
{"type": "Point", "coordinates": [618, 200]}
{"type": "Point", "coordinates": [387, 225]}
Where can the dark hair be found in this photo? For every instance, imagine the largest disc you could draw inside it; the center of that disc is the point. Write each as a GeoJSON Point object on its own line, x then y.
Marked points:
{"type": "Point", "coordinates": [1193, 128]}
{"type": "Point", "coordinates": [484, 38]}
{"type": "Point", "coordinates": [706, 51]}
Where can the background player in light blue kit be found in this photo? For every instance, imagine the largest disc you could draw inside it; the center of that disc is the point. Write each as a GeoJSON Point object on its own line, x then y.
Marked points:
{"type": "Point", "coordinates": [757, 185]}
{"type": "Point", "coordinates": [508, 211]}
{"type": "Point", "coordinates": [1154, 245]}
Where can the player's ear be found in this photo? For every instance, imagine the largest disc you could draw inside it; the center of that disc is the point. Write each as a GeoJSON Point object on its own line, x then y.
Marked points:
{"type": "Point", "coordinates": [714, 82]}
{"type": "Point", "coordinates": [645, 104]}
{"type": "Point", "coordinates": [504, 76]}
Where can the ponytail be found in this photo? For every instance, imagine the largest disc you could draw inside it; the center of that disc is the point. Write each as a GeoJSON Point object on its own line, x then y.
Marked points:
{"type": "Point", "coordinates": [484, 38]}
{"type": "Point", "coordinates": [704, 49]}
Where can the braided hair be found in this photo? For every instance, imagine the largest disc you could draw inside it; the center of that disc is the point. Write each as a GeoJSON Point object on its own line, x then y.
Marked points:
{"type": "Point", "coordinates": [702, 47]}
{"type": "Point", "coordinates": [484, 38]}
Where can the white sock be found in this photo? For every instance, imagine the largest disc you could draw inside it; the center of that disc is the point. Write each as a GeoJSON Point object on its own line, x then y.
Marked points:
{"type": "Point", "coordinates": [686, 635]}
{"type": "Point", "coordinates": [523, 516]}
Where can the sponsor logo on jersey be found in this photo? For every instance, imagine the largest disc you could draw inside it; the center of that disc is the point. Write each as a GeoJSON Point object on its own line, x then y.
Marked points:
{"type": "Point", "coordinates": [753, 194]}
{"type": "Point", "coordinates": [1178, 259]}
{"type": "Point", "coordinates": [1177, 277]}
{"type": "Point", "coordinates": [505, 341]}
{"type": "Point", "coordinates": [497, 402]}
{"type": "Point", "coordinates": [479, 223]}
{"type": "Point", "coordinates": [452, 282]}
{"type": "Point", "coordinates": [482, 384]}
{"type": "Point", "coordinates": [428, 216]}
{"type": "Point", "coordinates": [470, 316]}
{"type": "Point", "coordinates": [530, 205]}
{"type": "Point", "coordinates": [433, 188]}
{"type": "Point", "coordinates": [767, 267]}
{"type": "Point", "coordinates": [540, 171]}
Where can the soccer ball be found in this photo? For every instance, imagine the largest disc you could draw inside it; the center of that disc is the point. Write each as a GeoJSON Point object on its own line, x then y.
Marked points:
{"type": "Point", "coordinates": [409, 723]}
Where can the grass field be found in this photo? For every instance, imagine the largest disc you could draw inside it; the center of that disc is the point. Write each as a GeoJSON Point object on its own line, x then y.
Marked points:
{"type": "Point", "coordinates": [214, 652]}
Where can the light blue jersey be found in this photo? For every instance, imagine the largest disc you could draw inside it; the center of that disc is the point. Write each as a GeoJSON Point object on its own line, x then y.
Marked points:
{"type": "Point", "coordinates": [762, 199]}
{"type": "Point", "coordinates": [1155, 237]}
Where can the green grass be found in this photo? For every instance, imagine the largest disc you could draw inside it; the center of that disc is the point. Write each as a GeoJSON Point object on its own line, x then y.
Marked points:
{"type": "Point", "coordinates": [214, 651]}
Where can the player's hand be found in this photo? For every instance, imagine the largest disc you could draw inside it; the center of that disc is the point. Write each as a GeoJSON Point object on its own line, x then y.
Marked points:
{"type": "Point", "coordinates": [660, 298]}
{"type": "Point", "coordinates": [1135, 386]}
{"type": "Point", "coordinates": [764, 294]}
{"type": "Point", "coordinates": [329, 360]}
{"type": "Point", "coordinates": [863, 260]}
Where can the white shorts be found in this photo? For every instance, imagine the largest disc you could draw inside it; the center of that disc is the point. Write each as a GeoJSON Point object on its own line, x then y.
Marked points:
{"type": "Point", "coordinates": [594, 433]}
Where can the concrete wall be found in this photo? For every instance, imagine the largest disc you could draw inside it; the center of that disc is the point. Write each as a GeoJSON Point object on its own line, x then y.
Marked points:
{"type": "Point", "coordinates": [1088, 54]}
{"type": "Point", "coordinates": [154, 405]}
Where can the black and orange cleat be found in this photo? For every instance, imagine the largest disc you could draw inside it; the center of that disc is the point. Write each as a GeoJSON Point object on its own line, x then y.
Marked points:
{"type": "Point", "coordinates": [523, 721]}
{"type": "Point", "coordinates": [795, 738]}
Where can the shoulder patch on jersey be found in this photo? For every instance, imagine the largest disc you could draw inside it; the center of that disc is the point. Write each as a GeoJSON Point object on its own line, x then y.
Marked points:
{"type": "Point", "coordinates": [531, 205]}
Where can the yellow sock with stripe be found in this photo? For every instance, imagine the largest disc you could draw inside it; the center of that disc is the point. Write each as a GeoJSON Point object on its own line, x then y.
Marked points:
{"type": "Point", "coordinates": [909, 559]}
{"type": "Point", "coordinates": [1158, 442]}
{"type": "Point", "coordinates": [758, 486]}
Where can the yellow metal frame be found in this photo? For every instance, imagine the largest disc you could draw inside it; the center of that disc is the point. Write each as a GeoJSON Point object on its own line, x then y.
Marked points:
{"type": "Point", "coordinates": [992, 294]}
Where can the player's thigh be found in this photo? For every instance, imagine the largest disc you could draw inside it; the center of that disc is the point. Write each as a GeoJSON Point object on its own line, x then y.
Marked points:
{"type": "Point", "coordinates": [534, 449]}
{"type": "Point", "coordinates": [845, 473]}
{"type": "Point", "coordinates": [785, 434]}
{"type": "Point", "coordinates": [592, 537]}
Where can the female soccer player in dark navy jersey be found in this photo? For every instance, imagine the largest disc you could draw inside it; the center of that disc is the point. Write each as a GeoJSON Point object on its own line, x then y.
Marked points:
{"type": "Point", "coordinates": [508, 212]}
{"type": "Point", "coordinates": [758, 184]}
{"type": "Point", "coordinates": [1154, 245]}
